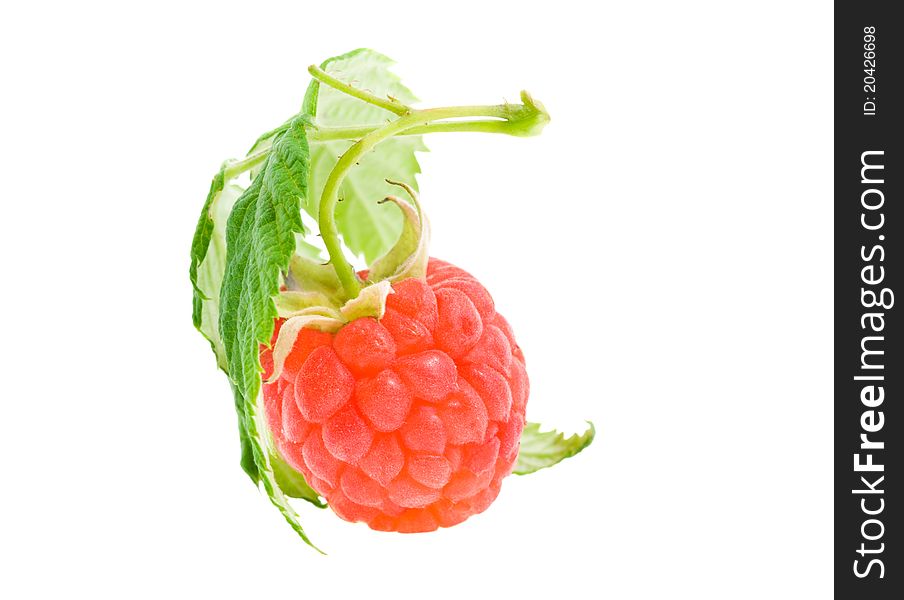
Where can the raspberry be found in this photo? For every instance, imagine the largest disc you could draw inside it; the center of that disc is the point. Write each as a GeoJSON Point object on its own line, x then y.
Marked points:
{"type": "Point", "coordinates": [411, 422]}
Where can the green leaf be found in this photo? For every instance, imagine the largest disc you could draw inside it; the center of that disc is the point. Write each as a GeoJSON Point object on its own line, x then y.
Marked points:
{"type": "Point", "coordinates": [257, 434]}
{"type": "Point", "coordinates": [265, 141]}
{"type": "Point", "coordinates": [260, 236]}
{"type": "Point", "coordinates": [263, 144]}
{"type": "Point", "coordinates": [199, 246]}
{"type": "Point", "coordinates": [209, 263]}
{"type": "Point", "coordinates": [247, 461]}
{"type": "Point", "coordinates": [545, 449]}
{"type": "Point", "coordinates": [367, 228]}
{"type": "Point", "coordinates": [260, 240]}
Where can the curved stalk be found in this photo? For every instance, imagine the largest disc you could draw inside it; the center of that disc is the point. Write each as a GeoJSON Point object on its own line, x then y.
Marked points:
{"type": "Point", "coordinates": [328, 231]}
{"type": "Point", "coordinates": [249, 162]}
{"type": "Point", "coordinates": [520, 120]}
{"type": "Point", "coordinates": [392, 105]}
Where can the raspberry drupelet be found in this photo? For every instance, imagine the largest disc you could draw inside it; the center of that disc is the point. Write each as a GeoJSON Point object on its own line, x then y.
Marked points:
{"type": "Point", "coordinates": [411, 422]}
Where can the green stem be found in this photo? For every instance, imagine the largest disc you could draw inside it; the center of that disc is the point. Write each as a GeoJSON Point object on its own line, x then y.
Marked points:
{"type": "Point", "coordinates": [390, 104]}
{"type": "Point", "coordinates": [519, 120]}
{"type": "Point", "coordinates": [328, 230]}
{"type": "Point", "coordinates": [326, 134]}
{"type": "Point", "coordinates": [249, 162]}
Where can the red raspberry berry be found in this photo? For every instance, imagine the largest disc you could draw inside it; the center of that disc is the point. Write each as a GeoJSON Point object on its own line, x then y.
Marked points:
{"type": "Point", "coordinates": [412, 422]}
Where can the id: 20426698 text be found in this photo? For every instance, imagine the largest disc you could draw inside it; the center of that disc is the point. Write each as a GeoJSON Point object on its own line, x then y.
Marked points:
{"type": "Point", "coordinates": [869, 70]}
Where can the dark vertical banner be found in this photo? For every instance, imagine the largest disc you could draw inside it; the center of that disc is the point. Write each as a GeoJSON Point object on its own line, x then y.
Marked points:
{"type": "Point", "coordinates": [869, 270]}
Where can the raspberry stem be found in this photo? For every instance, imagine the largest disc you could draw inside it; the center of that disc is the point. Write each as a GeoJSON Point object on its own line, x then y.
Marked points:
{"type": "Point", "coordinates": [238, 167]}
{"type": "Point", "coordinates": [520, 120]}
{"type": "Point", "coordinates": [390, 104]}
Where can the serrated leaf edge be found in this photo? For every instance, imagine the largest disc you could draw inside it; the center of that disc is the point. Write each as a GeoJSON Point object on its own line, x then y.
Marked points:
{"type": "Point", "coordinates": [572, 445]}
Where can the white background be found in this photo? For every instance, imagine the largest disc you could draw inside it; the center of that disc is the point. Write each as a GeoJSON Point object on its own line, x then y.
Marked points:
{"type": "Point", "coordinates": [663, 251]}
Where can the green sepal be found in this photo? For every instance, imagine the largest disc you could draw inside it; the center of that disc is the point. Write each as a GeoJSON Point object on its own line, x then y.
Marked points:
{"type": "Point", "coordinates": [293, 303]}
{"type": "Point", "coordinates": [292, 483]}
{"type": "Point", "coordinates": [370, 302]}
{"type": "Point", "coordinates": [410, 254]}
{"type": "Point", "coordinates": [540, 450]}
{"type": "Point", "coordinates": [306, 275]}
